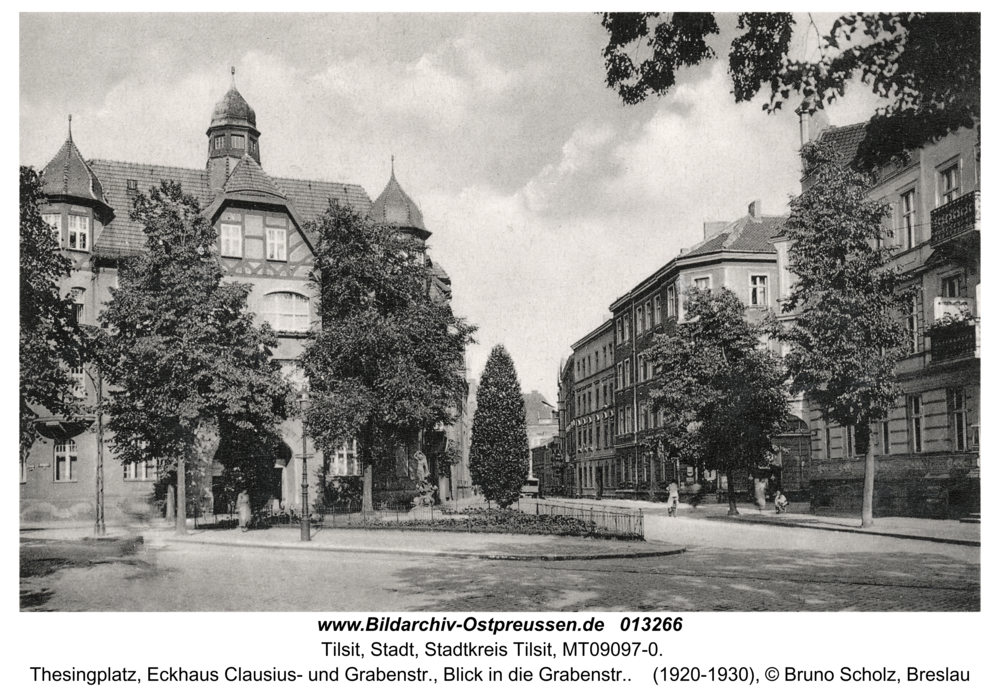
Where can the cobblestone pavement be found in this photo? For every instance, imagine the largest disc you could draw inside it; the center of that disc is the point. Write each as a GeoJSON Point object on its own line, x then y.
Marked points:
{"type": "Point", "coordinates": [211, 578]}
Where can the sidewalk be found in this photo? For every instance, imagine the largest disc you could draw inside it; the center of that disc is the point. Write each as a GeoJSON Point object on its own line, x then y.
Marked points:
{"type": "Point", "coordinates": [937, 530]}
{"type": "Point", "coordinates": [380, 541]}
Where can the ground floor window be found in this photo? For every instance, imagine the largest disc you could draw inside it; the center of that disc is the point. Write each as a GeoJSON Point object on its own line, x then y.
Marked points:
{"type": "Point", "coordinates": [142, 471]}
{"type": "Point", "coordinates": [65, 461]}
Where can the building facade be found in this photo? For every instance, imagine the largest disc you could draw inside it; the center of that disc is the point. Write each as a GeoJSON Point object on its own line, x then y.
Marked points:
{"type": "Point", "coordinates": [263, 240]}
{"type": "Point", "coordinates": [736, 255]}
{"type": "Point", "coordinates": [592, 456]}
{"type": "Point", "coordinates": [927, 451]}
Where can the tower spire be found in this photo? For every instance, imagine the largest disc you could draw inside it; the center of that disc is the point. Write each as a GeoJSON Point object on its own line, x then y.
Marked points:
{"type": "Point", "coordinates": [70, 128]}
{"type": "Point", "coordinates": [392, 166]}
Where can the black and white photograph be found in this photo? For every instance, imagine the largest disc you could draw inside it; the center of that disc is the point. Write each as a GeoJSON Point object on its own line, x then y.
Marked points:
{"type": "Point", "coordinates": [570, 315]}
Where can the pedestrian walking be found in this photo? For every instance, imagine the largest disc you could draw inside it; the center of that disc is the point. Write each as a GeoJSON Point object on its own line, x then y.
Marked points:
{"type": "Point", "coordinates": [243, 509]}
{"type": "Point", "coordinates": [672, 499]}
{"type": "Point", "coordinates": [780, 502]}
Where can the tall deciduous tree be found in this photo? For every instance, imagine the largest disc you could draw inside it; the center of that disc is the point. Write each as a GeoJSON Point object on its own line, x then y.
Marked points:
{"type": "Point", "coordinates": [498, 456]}
{"type": "Point", "coordinates": [848, 332]}
{"type": "Point", "coordinates": [50, 339]}
{"type": "Point", "coordinates": [388, 360]}
{"type": "Point", "coordinates": [927, 65]}
{"type": "Point", "coordinates": [723, 398]}
{"type": "Point", "coordinates": [187, 363]}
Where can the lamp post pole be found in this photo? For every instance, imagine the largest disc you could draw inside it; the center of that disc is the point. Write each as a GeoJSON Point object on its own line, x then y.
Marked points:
{"type": "Point", "coordinates": [304, 534]}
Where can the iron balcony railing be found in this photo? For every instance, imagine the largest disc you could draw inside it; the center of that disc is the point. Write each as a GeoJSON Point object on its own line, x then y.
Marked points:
{"type": "Point", "coordinates": [956, 218]}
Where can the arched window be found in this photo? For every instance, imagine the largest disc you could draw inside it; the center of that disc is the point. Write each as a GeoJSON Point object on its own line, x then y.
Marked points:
{"type": "Point", "coordinates": [287, 312]}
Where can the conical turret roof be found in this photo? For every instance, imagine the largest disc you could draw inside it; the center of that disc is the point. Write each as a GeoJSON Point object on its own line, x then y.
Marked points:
{"type": "Point", "coordinates": [68, 175]}
{"type": "Point", "coordinates": [395, 207]}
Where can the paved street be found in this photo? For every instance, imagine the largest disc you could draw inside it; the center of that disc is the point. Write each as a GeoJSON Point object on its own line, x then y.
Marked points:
{"type": "Point", "coordinates": [727, 566]}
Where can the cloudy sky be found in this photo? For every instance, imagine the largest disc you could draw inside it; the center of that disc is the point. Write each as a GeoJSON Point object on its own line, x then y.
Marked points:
{"type": "Point", "coordinates": [547, 198]}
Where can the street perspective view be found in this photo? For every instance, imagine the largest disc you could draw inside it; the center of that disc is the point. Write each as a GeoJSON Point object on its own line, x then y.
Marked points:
{"type": "Point", "coordinates": [647, 313]}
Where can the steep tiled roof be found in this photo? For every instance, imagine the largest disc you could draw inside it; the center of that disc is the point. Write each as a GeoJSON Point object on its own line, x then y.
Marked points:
{"type": "Point", "coordinates": [69, 175]}
{"type": "Point", "coordinates": [743, 235]}
{"type": "Point", "coordinates": [844, 140]}
{"type": "Point", "coordinates": [248, 177]}
{"type": "Point", "coordinates": [537, 408]}
{"type": "Point", "coordinates": [124, 237]}
{"type": "Point", "coordinates": [312, 197]}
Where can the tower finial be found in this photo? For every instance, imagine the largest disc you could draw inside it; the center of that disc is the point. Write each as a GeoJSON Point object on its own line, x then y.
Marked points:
{"type": "Point", "coordinates": [70, 128]}
{"type": "Point", "coordinates": [232, 70]}
{"type": "Point", "coordinates": [392, 165]}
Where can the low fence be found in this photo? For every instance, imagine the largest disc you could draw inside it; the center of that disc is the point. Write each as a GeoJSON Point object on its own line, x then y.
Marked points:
{"type": "Point", "coordinates": [621, 522]}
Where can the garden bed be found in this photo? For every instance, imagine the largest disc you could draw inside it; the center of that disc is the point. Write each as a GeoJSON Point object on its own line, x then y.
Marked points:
{"type": "Point", "coordinates": [480, 520]}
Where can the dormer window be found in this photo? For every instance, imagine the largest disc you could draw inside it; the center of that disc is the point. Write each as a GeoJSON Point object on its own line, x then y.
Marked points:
{"type": "Point", "coordinates": [79, 233]}
{"type": "Point", "coordinates": [238, 142]}
{"type": "Point", "coordinates": [55, 221]}
{"type": "Point", "coordinates": [132, 185]}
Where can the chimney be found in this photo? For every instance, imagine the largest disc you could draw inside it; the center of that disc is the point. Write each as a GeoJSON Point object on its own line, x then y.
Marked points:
{"type": "Point", "coordinates": [812, 121]}
{"type": "Point", "coordinates": [713, 228]}
{"type": "Point", "coordinates": [755, 210]}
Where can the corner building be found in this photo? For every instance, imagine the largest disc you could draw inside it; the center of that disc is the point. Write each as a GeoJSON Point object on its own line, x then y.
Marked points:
{"type": "Point", "coordinates": [927, 451]}
{"type": "Point", "coordinates": [262, 240]}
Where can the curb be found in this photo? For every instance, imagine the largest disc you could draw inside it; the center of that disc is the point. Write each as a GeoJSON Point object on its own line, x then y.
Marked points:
{"type": "Point", "coordinates": [433, 553]}
{"type": "Point", "coordinates": [834, 528]}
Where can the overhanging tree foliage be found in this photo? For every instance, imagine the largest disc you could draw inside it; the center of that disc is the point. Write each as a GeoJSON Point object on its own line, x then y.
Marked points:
{"type": "Point", "coordinates": [723, 398]}
{"type": "Point", "coordinates": [926, 64]}
{"type": "Point", "coordinates": [388, 360]}
{"type": "Point", "coordinates": [50, 340]}
{"type": "Point", "coordinates": [189, 367]}
{"type": "Point", "coordinates": [848, 331]}
{"type": "Point", "coordinates": [498, 456]}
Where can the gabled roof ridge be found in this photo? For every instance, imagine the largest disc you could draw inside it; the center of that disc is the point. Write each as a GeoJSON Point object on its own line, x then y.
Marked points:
{"type": "Point", "coordinates": [255, 170]}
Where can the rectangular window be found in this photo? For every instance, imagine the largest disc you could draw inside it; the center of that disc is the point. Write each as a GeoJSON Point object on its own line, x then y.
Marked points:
{"type": "Point", "coordinates": [913, 324]}
{"type": "Point", "coordinates": [80, 387]}
{"type": "Point", "coordinates": [132, 185]}
{"type": "Point", "coordinates": [220, 142]}
{"type": "Point", "coordinates": [907, 218]}
{"type": "Point", "coordinates": [915, 408]}
{"type": "Point", "coordinates": [959, 426]}
{"type": "Point", "coordinates": [829, 444]}
{"type": "Point", "coordinates": [237, 142]}
{"type": "Point", "coordinates": [951, 187]}
{"type": "Point", "coordinates": [277, 244]}
{"type": "Point", "coordinates": [649, 315]}
{"type": "Point", "coordinates": [55, 221]}
{"type": "Point", "coordinates": [625, 325]}
{"type": "Point", "coordinates": [951, 287]}
{"type": "Point", "coordinates": [231, 240]}
{"type": "Point", "coordinates": [657, 313]}
{"type": "Point", "coordinates": [65, 461]}
{"type": "Point", "coordinates": [671, 301]}
{"type": "Point", "coordinates": [703, 282]}
{"type": "Point", "coordinates": [619, 377]}
{"type": "Point", "coordinates": [79, 232]}
{"type": "Point", "coordinates": [619, 333]}
{"type": "Point", "coordinates": [758, 290]}
{"type": "Point", "coordinates": [886, 443]}
{"type": "Point", "coordinates": [142, 471]}
{"type": "Point", "coordinates": [638, 320]}
{"type": "Point", "coordinates": [628, 372]}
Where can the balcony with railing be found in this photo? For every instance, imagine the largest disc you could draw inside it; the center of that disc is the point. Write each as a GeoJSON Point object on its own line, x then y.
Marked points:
{"type": "Point", "coordinates": [955, 331]}
{"type": "Point", "coordinates": [955, 219]}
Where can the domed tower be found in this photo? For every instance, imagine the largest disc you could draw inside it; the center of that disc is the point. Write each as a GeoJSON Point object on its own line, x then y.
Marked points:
{"type": "Point", "coordinates": [231, 135]}
{"type": "Point", "coordinates": [394, 207]}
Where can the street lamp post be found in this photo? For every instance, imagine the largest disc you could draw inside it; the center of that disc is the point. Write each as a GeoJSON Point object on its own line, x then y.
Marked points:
{"type": "Point", "coordinates": [304, 534]}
